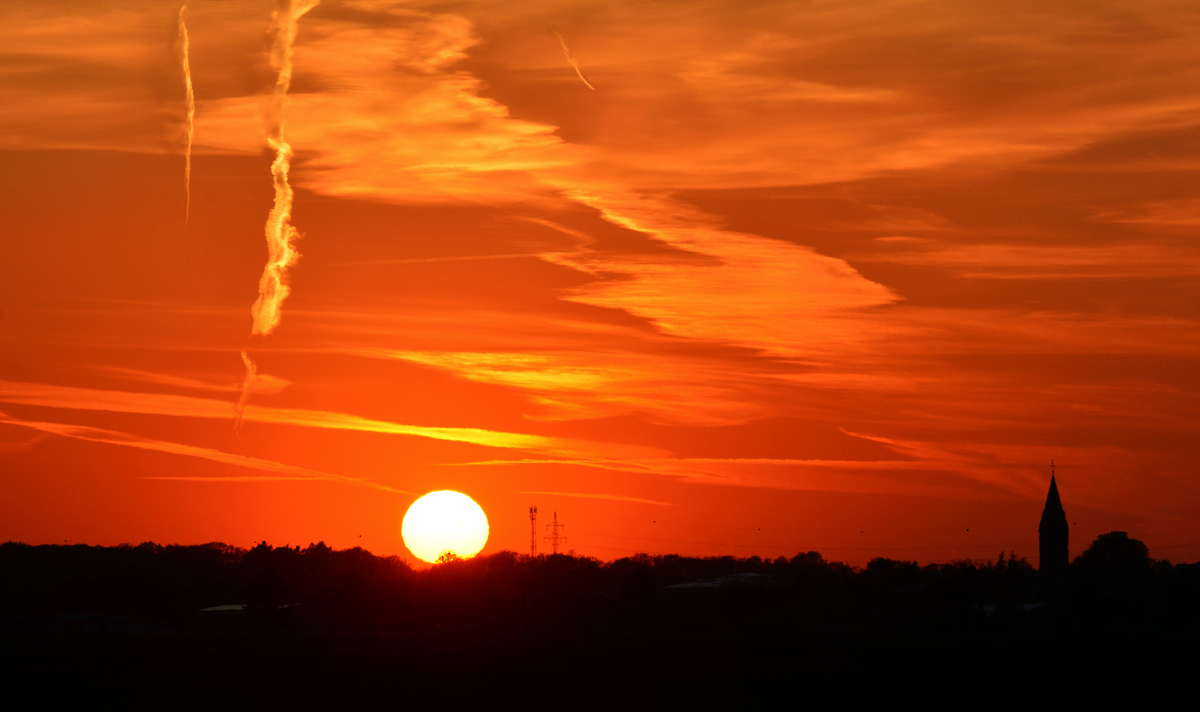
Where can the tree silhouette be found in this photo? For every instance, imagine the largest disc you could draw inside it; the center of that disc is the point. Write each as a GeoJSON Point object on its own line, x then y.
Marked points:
{"type": "Point", "coordinates": [1115, 553]}
{"type": "Point", "coordinates": [1116, 568]}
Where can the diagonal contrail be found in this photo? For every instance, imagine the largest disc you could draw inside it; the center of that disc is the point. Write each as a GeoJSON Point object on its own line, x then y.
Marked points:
{"type": "Point", "coordinates": [248, 384]}
{"type": "Point", "coordinates": [191, 112]}
{"type": "Point", "coordinates": [567, 51]}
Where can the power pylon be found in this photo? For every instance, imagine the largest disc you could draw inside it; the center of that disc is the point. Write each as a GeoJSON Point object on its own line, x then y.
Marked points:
{"type": "Point", "coordinates": [554, 537]}
{"type": "Point", "coordinates": [533, 531]}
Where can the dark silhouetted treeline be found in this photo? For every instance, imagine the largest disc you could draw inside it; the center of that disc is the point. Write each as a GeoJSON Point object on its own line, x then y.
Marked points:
{"type": "Point", "coordinates": [315, 623]}
{"type": "Point", "coordinates": [515, 596]}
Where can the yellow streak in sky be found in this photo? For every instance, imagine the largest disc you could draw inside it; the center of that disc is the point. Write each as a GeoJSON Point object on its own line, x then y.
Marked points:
{"type": "Point", "coordinates": [49, 396]}
{"type": "Point", "coordinates": [112, 437]}
{"type": "Point", "coordinates": [281, 235]}
{"type": "Point", "coordinates": [191, 112]}
{"type": "Point", "coordinates": [567, 51]}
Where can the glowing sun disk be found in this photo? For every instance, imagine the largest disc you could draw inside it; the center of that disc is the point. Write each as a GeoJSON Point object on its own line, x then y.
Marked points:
{"type": "Point", "coordinates": [444, 521]}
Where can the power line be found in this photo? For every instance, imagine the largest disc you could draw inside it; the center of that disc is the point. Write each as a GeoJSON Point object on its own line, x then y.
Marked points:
{"type": "Point", "coordinates": [554, 537]}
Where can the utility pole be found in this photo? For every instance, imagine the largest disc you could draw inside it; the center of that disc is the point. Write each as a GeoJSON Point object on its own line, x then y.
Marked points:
{"type": "Point", "coordinates": [533, 531]}
{"type": "Point", "coordinates": [554, 537]}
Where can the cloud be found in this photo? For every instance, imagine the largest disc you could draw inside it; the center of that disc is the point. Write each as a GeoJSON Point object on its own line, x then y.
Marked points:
{"type": "Point", "coordinates": [265, 384]}
{"type": "Point", "coordinates": [49, 396]}
{"type": "Point", "coordinates": [112, 437]}
{"type": "Point", "coordinates": [611, 497]}
{"type": "Point", "coordinates": [938, 478]}
{"type": "Point", "coordinates": [574, 384]}
{"type": "Point", "coordinates": [1142, 259]}
{"type": "Point", "coordinates": [784, 299]}
{"type": "Point", "coordinates": [775, 95]}
{"type": "Point", "coordinates": [736, 97]}
{"type": "Point", "coordinates": [398, 121]}
{"type": "Point", "coordinates": [102, 75]}
{"type": "Point", "coordinates": [1161, 213]}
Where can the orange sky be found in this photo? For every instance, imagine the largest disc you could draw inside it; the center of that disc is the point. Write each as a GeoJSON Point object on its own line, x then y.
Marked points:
{"type": "Point", "coordinates": [842, 276]}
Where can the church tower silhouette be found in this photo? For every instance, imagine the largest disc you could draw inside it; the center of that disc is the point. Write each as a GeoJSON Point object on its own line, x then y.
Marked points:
{"type": "Point", "coordinates": [1052, 533]}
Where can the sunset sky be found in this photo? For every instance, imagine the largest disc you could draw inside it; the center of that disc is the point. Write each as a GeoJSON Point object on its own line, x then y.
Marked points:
{"type": "Point", "coordinates": [701, 277]}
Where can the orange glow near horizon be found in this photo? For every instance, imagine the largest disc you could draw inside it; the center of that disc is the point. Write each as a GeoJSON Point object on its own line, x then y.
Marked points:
{"type": "Point", "coordinates": [702, 278]}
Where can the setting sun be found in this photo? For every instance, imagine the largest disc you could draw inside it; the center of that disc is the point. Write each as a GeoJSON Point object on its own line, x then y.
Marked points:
{"type": "Point", "coordinates": [444, 521]}
{"type": "Point", "coordinates": [834, 337]}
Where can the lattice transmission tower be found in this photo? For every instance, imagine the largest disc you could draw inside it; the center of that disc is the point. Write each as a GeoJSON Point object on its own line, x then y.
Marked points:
{"type": "Point", "coordinates": [533, 531]}
{"type": "Point", "coordinates": [554, 537]}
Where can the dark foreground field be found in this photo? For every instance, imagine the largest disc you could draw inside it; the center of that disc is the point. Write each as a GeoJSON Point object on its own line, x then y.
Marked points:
{"type": "Point", "coordinates": [127, 627]}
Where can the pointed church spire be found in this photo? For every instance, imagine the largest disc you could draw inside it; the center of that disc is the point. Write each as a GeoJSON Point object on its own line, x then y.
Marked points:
{"type": "Point", "coordinates": [1053, 532]}
{"type": "Point", "coordinates": [1053, 501]}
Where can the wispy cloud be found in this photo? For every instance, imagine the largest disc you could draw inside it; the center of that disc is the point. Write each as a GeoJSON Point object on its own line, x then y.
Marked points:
{"type": "Point", "coordinates": [578, 383]}
{"type": "Point", "coordinates": [111, 437]}
{"type": "Point", "coordinates": [398, 135]}
{"type": "Point", "coordinates": [860, 476]}
{"type": "Point", "coordinates": [1142, 259]}
{"type": "Point", "coordinates": [1162, 213]}
{"type": "Point", "coordinates": [50, 396]}
{"type": "Point", "coordinates": [612, 497]}
{"type": "Point", "coordinates": [436, 260]}
{"type": "Point", "coordinates": [264, 383]}
{"type": "Point", "coordinates": [743, 293]}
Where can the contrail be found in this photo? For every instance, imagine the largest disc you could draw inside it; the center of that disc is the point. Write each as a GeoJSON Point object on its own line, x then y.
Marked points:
{"type": "Point", "coordinates": [248, 384]}
{"type": "Point", "coordinates": [191, 112]}
{"type": "Point", "coordinates": [281, 234]}
{"type": "Point", "coordinates": [567, 52]}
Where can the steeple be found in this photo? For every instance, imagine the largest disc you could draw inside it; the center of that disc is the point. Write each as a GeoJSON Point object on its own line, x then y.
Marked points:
{"type": "Point", "coordinates": [1053, 502]}
{"type": "Point", "coordinates": [1053, 532]}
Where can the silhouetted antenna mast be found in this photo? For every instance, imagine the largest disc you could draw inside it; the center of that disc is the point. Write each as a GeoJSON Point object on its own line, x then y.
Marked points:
{"type": "Point", "coordinates": [554, 537]}
{"type": "Point", "coordinates": [533, 531]}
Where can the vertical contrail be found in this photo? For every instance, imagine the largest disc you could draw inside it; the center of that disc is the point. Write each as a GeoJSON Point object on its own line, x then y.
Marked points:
{"type": "Point", "coordinates": [191, 112]}
{"type": "Point", "coordinates": [567, 52]}
{"type": "Point", "coordinates": [281, 234]}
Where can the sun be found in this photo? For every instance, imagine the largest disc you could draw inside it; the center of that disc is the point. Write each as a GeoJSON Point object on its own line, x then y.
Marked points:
{"type": "Point", "coordinates": [444, 521]}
